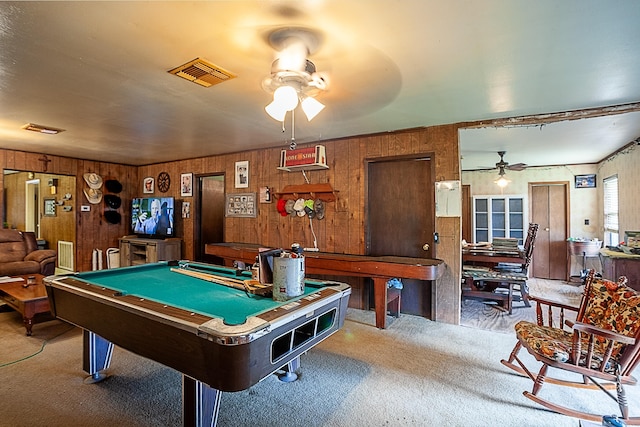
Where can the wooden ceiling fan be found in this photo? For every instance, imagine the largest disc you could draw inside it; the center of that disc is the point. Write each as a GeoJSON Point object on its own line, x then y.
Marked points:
{"type": "Point", "coordinates": [502, 165]}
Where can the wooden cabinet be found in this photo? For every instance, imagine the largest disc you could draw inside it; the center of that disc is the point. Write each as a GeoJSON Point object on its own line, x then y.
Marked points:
{"type": "Point", "coordinates": [135, 250]}
{"type": "Point", "coordinates": [615, 265]}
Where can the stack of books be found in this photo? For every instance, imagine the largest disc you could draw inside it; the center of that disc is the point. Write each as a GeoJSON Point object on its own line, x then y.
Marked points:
{"type": "Point", "coordinates": [505, 244]}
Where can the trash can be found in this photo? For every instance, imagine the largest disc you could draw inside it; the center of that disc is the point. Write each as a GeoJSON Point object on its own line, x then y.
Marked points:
{"type": "Point", "coordinates": [113, 258]}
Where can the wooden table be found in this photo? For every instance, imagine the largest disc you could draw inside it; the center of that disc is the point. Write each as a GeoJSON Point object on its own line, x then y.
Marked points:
{"type": "Point", "coordinates": [616, 264]}
{"type": "Point", "coordinates": [28, 301]}
{"type": "Point", "coordinates": [492, 257]}
{"type": "Point", "coordinates": [379, 268]}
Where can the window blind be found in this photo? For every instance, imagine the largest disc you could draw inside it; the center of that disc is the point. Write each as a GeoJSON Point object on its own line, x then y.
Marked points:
{"type": "Point", "coordinates": [610, 189]}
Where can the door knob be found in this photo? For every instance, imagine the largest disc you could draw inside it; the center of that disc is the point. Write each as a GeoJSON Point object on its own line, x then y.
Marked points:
{"type": "Point", "coordinates": [425, 247]}
{"type": "Point", "coordinates": [546, 229]}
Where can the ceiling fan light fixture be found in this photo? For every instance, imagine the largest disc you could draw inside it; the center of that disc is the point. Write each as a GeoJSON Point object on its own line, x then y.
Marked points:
{"type": "Point", "coordinates": [502, 181]}
{"type": "Point", "coordinates": [286, 97]}
{"type": "Point", "coordinates": [276, 111]}
{"type": "Point", "coordinates": [311, 107]}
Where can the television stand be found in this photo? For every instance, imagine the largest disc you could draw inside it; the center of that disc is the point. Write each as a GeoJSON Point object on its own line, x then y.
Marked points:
{"type": "Point", "coordinates": [136, 250]}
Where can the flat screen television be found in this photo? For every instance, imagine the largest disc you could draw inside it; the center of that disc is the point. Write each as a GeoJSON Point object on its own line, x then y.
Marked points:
{"type": "Point", "coordinates": [153, 217]}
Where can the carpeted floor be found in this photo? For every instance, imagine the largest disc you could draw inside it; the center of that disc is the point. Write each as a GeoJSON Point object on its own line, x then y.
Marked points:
{"type": "Point", "coordinates": [487, 316]}
{"type": "Point", "coordinates": [415, 373]}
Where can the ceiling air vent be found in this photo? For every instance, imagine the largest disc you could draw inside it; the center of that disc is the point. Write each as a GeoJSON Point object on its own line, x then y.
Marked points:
{"type": "Point", "coordinates": [202, 72]}
{"type": "Point", "coordinates": [42, 129]}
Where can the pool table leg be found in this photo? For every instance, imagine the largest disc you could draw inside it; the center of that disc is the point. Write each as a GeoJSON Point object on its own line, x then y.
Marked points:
{"type": "Point", "coordinates": [96, 356]}
{"type": "Point", "coordinates": [289, 374]}
{"type": "Point", "coordinates": [200, 403]}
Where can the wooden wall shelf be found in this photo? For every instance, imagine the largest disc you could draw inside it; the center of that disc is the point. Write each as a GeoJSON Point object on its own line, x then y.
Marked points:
{"type": "Point", "coordinates": [324, 192]}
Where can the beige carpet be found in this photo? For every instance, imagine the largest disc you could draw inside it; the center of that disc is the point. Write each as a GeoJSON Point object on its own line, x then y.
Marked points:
{"type": "Point", "coordinates": [415, 373]}
{"type": "Point", "coordinates": [486, 315]}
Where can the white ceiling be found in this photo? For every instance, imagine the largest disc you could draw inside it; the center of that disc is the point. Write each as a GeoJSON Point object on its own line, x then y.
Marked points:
{"type": "Point", "coordinates": [99, 70]}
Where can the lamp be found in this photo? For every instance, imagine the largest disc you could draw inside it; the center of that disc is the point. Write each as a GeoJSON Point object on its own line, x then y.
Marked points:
{"type": "Point", "coordinates": [293, 79]}
{"type": "Point", "coordinates": [502, 181]}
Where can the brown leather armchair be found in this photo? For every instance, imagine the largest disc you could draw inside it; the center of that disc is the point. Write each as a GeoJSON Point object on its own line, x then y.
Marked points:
{"type": "Point", "coordinates": [19, 254]}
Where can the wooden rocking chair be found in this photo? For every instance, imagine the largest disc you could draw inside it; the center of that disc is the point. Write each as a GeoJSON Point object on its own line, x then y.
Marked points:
{"type": "Point", "coordinates": [602, 345]}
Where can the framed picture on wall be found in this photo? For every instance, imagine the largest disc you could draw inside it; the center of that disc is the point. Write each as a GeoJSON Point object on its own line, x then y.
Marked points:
{"type": "Point", "coordinates": [586, 181]}
{"type": "Point", "coordinates": [241, 205]}
{"type": "Point", "coordinates": [186, 185]}
{"type": "Point", "coordinates": [147, 185]}
{"type": "Point", "coordinates": [49, 206]}
{"type": "Point", "coordinates": [242, 174]}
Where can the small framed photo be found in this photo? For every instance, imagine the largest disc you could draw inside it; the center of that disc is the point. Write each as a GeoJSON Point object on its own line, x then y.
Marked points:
{"type": "Point", "coordinates": [186, 210]}
{"type": "Point", "coordinates": [586, 181]}
{"type": "Point", "coordinates": [241, 205]}
{"type": "Point", "coordinates": [186, 185]}
{"type": "Point", "coordinates": [265, 195]}
{"type": "Point", "coordinates": [49, 206]}
{"type": "Point", "coordinates": [147, 185]}
{"type": "Point", "coordinates": [242, 174]}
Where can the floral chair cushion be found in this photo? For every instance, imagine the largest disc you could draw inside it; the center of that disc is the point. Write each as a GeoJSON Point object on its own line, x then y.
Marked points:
{"type": "Point", "coordinates": [610, 305]}
{"type": "Point", "coordinates": [613, 306]}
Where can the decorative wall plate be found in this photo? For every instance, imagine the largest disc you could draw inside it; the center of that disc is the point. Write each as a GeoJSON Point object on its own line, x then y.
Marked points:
{"type": "Point", "coordinates": [164, 182]}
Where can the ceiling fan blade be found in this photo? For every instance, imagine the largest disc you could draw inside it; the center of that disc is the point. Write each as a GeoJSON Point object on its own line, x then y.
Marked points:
{"type": "Point", "coordinates": [517, 167]}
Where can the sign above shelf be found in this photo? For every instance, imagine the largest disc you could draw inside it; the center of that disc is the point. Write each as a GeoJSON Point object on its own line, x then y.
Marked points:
{"type": "Point", "coordinates": [309, 158]}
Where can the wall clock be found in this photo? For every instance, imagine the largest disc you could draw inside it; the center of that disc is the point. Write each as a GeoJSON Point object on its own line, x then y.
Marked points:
{"type": "Point", "coordinates": [164, 182]}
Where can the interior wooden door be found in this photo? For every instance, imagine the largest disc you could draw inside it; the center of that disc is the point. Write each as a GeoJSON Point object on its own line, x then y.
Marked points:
{"type": "Point", "coordinates": [210, 216]}
{"type": "Point", "coordinates": [549, 209]}
{"type": "Point", "coordinates": [467, 227]}
{"type": "Point", "coordinates": [400, 220]}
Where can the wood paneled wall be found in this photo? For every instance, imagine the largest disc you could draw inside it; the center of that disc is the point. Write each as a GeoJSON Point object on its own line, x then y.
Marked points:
{"type": "Point", "coordinates": [341, 231]}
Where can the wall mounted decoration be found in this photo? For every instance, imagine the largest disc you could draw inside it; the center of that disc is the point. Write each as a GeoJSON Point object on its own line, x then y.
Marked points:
{"type": "Point", "coordinates": [186, 209]}
{"type": "Point", "coordinates": [242, 174]}
{"type": "Point", "coordinates": [586, 181]}
{"type": "Point", "coordinates": [241, 205]}
{"type": "Point", "coordinates": [49, 206]}
{"type": "Point", "coordinates": [164, 182]}
{"type": "Point", "coordinates": [265, 195]}
{"type": "Point", "coordinates": [147, 185]}
{"type": "Point", "coordinates": [186, 185]}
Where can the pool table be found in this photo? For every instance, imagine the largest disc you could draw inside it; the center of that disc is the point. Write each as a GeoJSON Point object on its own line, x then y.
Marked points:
{"type": "Point", "coordinates": [220, 338]}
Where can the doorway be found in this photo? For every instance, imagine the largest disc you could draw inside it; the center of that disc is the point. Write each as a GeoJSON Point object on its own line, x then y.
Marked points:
{"type": "Point", "coordinates": [550, 209]}
{"type": "Point", "coordinates": [209, 193]}
{"type": "Point", "coordinates": [32, 207]}
{"type": "Point", "coordinates": [400, 219]}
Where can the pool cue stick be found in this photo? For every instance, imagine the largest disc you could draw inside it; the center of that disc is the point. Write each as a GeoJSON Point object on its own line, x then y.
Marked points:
{"type": "Point", "coordinates": [251, 286]}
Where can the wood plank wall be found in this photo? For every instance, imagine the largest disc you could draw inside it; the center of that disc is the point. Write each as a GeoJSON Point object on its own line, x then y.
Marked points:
{"type": "Point", "coordinates": [342, 230]}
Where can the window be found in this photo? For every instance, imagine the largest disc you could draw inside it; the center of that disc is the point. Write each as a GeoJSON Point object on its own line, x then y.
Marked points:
{"type": "Point", "coordinates": [498, 216]}
{"type": "Point", "coordinates": [611, 228]}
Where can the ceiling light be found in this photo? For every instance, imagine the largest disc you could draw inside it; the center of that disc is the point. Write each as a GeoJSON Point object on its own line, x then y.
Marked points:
{"type": "Point", "coordinates": [293, 77]}
{"type": "Point", "coordinates": [502, 181]}
{"type": "Point", "coordinates": [311, 107]}
{"type": "Point", "coordinates": [42, 129]}
{"type": "Point", "coordinates": [276, 111]}
{"type": "Point", "coordinates": [287, 97]}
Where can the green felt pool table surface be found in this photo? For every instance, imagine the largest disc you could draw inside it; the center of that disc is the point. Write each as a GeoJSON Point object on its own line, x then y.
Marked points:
{"type": "Point", "coordinates": [158, 283]}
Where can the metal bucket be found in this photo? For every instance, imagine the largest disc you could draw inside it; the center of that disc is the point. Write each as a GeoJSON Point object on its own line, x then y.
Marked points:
{"type": "Point", "coordinates": [288, 278]}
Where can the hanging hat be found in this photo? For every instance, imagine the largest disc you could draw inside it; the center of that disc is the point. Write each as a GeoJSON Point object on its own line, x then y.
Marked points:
{"type": "Point", "coordinates": [112, 201]}
{"type": "Point", "coordinates": [113, 186]}
{"type": "Point", "coordinates": [299, 207]}
{"type": "Point", "coordinates": [308, 208]}
{"type": "Point", "coordinates": [93, 196]}
{"type": "Point", "coordinates": [288, 206]}
{"type": "Point", "coordinates": [318, 206]}
{"type": "Point", "coordinates": [112, 217]}
{"type": "Point", "coordinates": [93, 180]}
{"type": "Point", "coordinates": [280, 207]}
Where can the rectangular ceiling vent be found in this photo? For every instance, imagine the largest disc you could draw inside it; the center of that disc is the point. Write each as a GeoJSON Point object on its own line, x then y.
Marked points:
{"type": "Point", "coordinates": [42, 129]}
{"type": "Point", "coordinates": [202, 72]}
